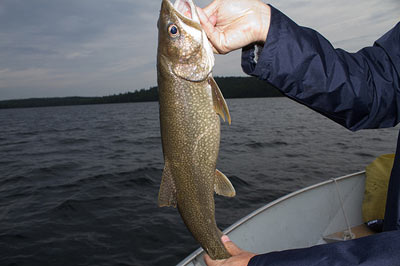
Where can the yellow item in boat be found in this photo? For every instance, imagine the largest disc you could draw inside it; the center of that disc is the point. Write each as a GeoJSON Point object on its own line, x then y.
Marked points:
{"type": "Point", "coordinates": [376, 185]}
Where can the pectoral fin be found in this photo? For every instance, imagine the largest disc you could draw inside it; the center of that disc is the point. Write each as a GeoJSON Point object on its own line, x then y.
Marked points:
{"type": "Point", "coordinates": [219, 101]}
{"type": "Point", "coordinates": [223, 186]}
{"type": "Point", "coordinates": [167, 193]}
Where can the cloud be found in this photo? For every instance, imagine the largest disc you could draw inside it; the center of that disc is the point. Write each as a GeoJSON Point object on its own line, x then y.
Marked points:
{"type": "Point", "coordinates": [77, 43]}
{"type": "Point", "coordinates": [349, 25]}
{"type": "Point", "coordinates": [92, 47]}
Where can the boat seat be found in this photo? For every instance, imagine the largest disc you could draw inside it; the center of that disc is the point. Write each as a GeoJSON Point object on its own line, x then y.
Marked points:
{"type": "Point", "coordinates": [357, 231]}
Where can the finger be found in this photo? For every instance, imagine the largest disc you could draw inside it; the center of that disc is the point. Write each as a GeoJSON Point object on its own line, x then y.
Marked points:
{"type": "Point", "coordinates": [211, 8]}
{"type": "Point", "coordinates": [209, 261]}
{"type": "Point", "coordinates": [212, 33]}
{"type": "Point", "coordinates": [213, 20]}
{"type": "Point", "coordinates": [230, 246]}
{"type": "Point", "coordinates": [202, 16]}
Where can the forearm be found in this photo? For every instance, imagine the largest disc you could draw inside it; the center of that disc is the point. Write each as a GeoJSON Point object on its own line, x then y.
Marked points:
{"type": "Point", "coordinates": [378, 249]}
{"type": "Point", "coordinates": [357, 90]}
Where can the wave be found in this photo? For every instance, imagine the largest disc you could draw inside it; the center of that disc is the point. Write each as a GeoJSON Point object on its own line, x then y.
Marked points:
{"type": "Point", "coordinates": [73, 141]}
{"type": "Point", "coordinates": [272, 144]}
{"type": "Point", "coordinates": [364, 154]}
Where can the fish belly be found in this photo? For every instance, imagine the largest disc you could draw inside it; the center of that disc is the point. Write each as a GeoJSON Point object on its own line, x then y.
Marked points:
{"type": "Point", "coordinates": [190, 131]}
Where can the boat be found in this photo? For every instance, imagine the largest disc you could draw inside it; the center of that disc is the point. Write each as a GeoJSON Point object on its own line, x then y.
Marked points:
{"type": "Point", "coordinates": [322, 213]}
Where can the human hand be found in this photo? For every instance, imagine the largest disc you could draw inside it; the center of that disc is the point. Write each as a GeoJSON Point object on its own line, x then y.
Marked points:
{"type": "Point", "coordinates": [233, 24]}
{"type": "Point", "coordinates": [239, 257]}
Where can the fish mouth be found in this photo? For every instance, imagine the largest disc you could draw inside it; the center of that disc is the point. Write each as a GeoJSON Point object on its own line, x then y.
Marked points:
{"type": "Point", "coordinates": [186, 9]}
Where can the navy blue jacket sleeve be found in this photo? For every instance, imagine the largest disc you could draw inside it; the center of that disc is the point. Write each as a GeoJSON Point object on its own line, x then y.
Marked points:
{"type": "Point", "coordinates": [357, 90]}
{"type": "Point", "coordinates": [380, 249]}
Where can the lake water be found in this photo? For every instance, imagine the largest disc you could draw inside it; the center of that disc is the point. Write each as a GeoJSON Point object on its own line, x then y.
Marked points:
{"type": "Point", "coordinates": [79, 184]}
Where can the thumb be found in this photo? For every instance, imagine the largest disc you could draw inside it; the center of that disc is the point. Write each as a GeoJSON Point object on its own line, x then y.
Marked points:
{"type": "Point", "coordinates": [206, 21]}
{"type": "Point", "coordinates": [211, 8]}
{"type": "Point", "coordinates": [208, 24]}
{"type": "Point", "coordinates": [230, 246]}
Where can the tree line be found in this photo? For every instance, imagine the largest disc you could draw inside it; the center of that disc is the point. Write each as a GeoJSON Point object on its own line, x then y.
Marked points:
{"type": "Point", "coordinates": [231, 87]}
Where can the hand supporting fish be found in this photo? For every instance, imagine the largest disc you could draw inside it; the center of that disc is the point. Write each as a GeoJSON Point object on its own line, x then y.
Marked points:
{"type": "Point", "coordinates": [190, 102]}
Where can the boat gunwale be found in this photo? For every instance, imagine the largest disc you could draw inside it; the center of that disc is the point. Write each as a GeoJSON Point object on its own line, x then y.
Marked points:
{"type": "Point", "coordinates": [254, 213]}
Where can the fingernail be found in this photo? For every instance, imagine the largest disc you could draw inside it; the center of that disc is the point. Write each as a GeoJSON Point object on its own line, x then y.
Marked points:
{"type": "Point", "coordinates": [225, 238]}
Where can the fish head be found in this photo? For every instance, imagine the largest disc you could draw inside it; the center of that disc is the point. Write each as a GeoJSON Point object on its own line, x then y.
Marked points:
{"type": "Point", "coordinates": [183, 47]}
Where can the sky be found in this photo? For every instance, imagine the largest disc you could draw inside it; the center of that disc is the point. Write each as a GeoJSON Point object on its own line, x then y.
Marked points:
{"type": "Point", "coordinates": [56, 48]}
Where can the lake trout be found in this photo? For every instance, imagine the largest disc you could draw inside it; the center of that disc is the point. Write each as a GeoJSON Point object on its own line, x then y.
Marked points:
{"type": "Point", "coordinates": [190, 102]}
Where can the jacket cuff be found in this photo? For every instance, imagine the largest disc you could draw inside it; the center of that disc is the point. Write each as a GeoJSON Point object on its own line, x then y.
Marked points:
{"type": "Point", "coordinates": [257, 59]}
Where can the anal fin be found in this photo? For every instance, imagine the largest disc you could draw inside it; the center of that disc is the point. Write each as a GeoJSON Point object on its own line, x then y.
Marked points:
{"type": "Point", "coordinates": [167, 193]}
{"type": "Point", "coordinates": [222, 185]}
{"type": "Point", "coordinates": [220, 105]}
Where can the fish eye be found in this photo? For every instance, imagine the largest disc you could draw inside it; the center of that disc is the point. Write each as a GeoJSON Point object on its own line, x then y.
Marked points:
{"type": "Point", "coordinates": [173, 30]}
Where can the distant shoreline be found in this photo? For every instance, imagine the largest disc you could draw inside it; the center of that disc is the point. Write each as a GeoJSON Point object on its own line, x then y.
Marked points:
{"type": "Point", "coordinates": [231, 87]}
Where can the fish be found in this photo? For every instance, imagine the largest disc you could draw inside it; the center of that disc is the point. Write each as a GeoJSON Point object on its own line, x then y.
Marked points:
{"type": "Point", "coordinates": [190, 106]}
